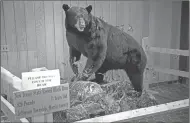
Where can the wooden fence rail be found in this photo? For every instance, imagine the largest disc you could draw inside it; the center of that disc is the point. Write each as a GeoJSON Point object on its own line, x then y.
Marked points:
{"type": "Point", "coordinates": [168, 51]}
{"type": "Point", "coordinates": [151, 68]}
{"type": "Point", "coordinates": [9, 111]}
{"type": "Point", "coordinates": [9, 84]}
{"type": "Point", "coordinates": [170, 71]}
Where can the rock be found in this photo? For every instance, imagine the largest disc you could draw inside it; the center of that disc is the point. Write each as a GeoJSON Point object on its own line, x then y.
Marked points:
{"type": "Point", "coordinates": [81, 90]}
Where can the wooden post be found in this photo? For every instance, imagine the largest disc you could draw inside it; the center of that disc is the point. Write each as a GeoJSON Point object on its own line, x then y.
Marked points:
{"type": "Point", "coordinates": [184, 37]}
{"type": "Point", "coordinates": [150, 74]}
{"type": "Point", "coordinates": [146, 77]}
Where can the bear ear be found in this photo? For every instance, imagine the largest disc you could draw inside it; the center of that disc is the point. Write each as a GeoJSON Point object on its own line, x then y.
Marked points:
{"type": "Point", "coordinates": [65, 7]}
{"type": "Point", "coordinates": [89, 8]}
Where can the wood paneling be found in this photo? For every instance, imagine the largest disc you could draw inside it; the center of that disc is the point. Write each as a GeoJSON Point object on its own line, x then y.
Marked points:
{"type": "Point", "coordinates": [35, 32]}
{"type": "Point", "coordinates": [19, 10]}
{"type": "Point", "coordinates": [4, 58]}
{"type": "Point", "coordinates": [40, 33]}
{"type": "Point", "coordinates": [10, 31]}
{"type": "Point", "coordinates": [31, 34]}
{"type": "Point", "coordinates": [184, 35]}
{"type": "Point", "coordinates": [74, 2]}
{"type": "Point", "coordinates": [175, 41]}
{"type": "Point", "coordinates": [20, 20]}
{"type": "Point", "coordinates": [50, 34]}
{"type": "Point", "coordinates": [145, 25]}
{"type": "Point", "coordinates": [160, 33]}
{"type": "Point", "coordinates": [164, 27]}
{"type": "Point", "coordinates": [82, 3]}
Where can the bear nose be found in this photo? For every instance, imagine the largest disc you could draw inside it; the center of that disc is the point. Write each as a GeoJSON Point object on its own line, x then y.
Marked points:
{"type": "Point", "coordinates": [82, 22]}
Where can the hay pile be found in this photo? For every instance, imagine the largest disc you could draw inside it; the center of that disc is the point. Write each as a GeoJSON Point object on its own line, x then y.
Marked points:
{"type": "Point", "coordinates": [89, 100]}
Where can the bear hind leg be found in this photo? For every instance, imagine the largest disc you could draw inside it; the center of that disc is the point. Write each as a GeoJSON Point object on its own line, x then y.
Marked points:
{"type": "Point", "coordinates": [136, 80]}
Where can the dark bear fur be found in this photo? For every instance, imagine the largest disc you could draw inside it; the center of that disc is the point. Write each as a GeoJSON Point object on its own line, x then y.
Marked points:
{"type": "Point", "coordinates": [105, 46]}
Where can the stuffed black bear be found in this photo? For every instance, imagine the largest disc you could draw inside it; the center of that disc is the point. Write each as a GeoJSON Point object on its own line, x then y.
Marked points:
{"type": "Point", "coordinates": [105, 46]}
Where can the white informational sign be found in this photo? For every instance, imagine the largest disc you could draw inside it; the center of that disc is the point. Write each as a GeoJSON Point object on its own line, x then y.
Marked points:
{"type": "Point", "coordinates": [37, 102]}
{"type": "Point", "coordinates": [40, 79]}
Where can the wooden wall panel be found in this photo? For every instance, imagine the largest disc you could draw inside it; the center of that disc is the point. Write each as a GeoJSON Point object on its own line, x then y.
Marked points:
{"type": "Point", "coordinates": [74, 2]}
{"type": "Point", "coordinates": [30, 25]}
{"type": "Point", "coordinates": [50, 34]}
{"type": "Point", "coordinates": [98, 9]}
{"type": "Point", "coordinates": [40, 33]}
{"type": "Point", "coordinates": [184, 36]}
{"type": "Point", "coordinates": [160, 33]}
{"type": "Point", "coordinates": [120, 13]}
{"type": "Point", "coordinates": [126, 10]}
{"type": "Point", "coordinates": [31, 34]}
{"type": "Point", "coordinates": [105, 11]}
{"type": "Point", "coordinates": [175, 39]}
{"type": "Point", "coordinates": [136, 20]}
{"type": "Point", "coordinates": [113, 13]}
{"type": "Point", "coordinates": [19, 10]}
{"type": "Point", "coordinates": [82, 3]}
{"type": "Point", "coordinates": [146, 13]}
{"type": "Point", "coordinates": [4, 57]}
{"type": "Point", "coordinates": [10, 29]}
{"type": "Point", "coordinates": [9, 16]}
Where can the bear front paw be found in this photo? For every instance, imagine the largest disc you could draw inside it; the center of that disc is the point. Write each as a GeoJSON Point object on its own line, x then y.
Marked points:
{"type": "Point", "coordinates": [80, 77]}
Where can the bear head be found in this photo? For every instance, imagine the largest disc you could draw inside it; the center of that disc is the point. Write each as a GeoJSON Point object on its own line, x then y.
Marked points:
{"type": "Point", "coordinates": [77, 17]}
